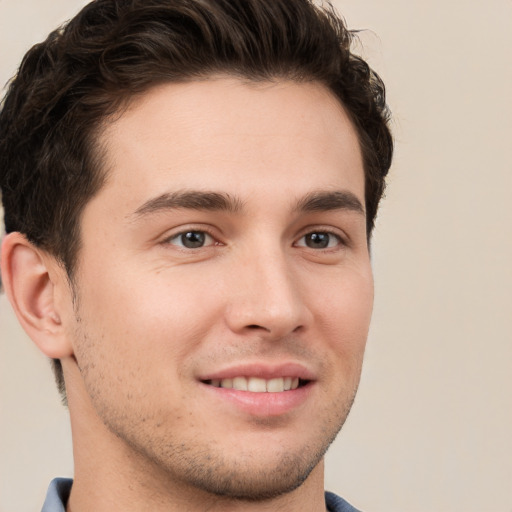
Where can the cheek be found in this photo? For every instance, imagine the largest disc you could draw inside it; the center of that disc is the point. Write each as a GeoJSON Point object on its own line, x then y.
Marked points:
{"type": "Point", "coordinates": [132, 353]}
{"type": "Point", "coordinates": [347, 301]}
{"type": "Point", "coordinates": [144, 320]}
{"type": "Point", "coordinates": [344, 315]}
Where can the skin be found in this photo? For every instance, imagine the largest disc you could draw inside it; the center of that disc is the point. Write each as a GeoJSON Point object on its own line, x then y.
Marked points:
{"type": "Point", "coordinates": [153, 320]}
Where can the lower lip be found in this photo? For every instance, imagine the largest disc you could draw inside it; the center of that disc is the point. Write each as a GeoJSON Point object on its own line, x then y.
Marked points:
{"type": "Point", "coordinates": [263, 404]}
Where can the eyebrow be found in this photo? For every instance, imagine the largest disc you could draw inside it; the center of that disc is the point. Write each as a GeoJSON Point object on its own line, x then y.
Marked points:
{"type": "Point", "coordinates": [190, 199]}
{"type": "Point", "coordinates": [324, 201]}
{"type": "Point", "coordinates": [316, 201]}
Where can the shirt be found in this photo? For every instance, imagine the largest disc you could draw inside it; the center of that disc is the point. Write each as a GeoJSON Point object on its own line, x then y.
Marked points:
{"type": "Point", "coordinates": [58, 494]}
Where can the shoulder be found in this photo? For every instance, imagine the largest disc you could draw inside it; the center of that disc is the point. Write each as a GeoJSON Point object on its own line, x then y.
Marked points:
{"type": "Point", "coordinates": [59, 489]}
{"type": "Point", "coordinates": [336, 504]}
{"type": "Point", "coordinates": [57, 495]}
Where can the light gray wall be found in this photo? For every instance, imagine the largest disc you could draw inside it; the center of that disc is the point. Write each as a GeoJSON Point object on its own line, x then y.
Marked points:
{"type": "Point", "coordinates": [431, 428]}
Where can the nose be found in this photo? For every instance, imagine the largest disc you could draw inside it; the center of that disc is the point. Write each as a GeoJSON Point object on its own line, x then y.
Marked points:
{"type": "Point", "coordinates": [266, 297]}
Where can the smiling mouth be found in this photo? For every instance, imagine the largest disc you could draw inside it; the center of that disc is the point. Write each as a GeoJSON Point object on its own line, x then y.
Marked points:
{"type": "Point", "coordinates": [258, 385]}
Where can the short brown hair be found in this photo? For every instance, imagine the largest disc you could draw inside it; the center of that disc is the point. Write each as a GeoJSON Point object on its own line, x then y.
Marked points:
{"type": "Point", "coordinates": [66, 86]}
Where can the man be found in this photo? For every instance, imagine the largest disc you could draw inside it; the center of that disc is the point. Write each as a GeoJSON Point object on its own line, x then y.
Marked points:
{"type": "Point", "coordinates": [189, 190]}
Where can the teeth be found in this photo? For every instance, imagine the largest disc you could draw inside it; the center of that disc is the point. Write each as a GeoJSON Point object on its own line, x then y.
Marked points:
{"type": "Point", "coordinates": [275, 385]}
{"type": "Point", "coordinates": [226, 383]}
{"type": "Point", "coordinates": [258, 385]}
{"type": "Point", "coordinates": [239, 383]}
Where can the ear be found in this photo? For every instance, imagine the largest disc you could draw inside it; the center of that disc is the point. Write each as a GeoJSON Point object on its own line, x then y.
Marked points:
{"type": "Point", "coordinates": [31, 278]}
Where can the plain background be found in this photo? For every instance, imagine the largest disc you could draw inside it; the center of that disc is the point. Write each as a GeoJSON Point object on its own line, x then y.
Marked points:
{"type": "Point", "coordinates": [432, 425]}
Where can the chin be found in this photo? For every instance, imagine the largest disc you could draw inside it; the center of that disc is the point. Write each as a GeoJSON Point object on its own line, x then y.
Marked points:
{"type": "Point", "coordinates": [258, 474]}
{"type": "Point", "coordinates": [244, 481]}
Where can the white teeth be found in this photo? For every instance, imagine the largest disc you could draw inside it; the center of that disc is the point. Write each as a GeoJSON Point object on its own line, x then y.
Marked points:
{"type": "Point", "coordinates": [239, 383]}
{"type": "Point", "coordinates": [275, 385]}
{"type": "Point", "coordinates": [258, 385]}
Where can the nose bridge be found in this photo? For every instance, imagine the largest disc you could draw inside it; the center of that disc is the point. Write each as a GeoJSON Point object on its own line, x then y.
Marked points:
{"type": "Point", "coordinates": [267, 293]}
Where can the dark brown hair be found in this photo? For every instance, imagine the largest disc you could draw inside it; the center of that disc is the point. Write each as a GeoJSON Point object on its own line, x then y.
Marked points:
{"type": "Point", "coordinates": [66, 86]}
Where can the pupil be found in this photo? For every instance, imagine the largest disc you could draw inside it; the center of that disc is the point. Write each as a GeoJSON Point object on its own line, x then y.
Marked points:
{"type": "Point", "coordinates": [193, 239]}
{"type": "Point", "coordinates": [317, 240]}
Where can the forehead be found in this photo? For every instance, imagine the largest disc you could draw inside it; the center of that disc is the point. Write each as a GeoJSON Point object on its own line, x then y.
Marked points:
{"type": "Point", "coordinates": [266, 137]}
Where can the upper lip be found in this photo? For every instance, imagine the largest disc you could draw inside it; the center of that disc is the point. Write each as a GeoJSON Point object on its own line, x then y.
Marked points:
{"type": "Point", "coordinates": [261, 370]}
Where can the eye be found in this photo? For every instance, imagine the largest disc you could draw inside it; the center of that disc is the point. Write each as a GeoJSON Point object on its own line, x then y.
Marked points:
{"type": "Point", "coordinates": [320, 240]}
{"type": "Point", "coordinates": [192, 239]}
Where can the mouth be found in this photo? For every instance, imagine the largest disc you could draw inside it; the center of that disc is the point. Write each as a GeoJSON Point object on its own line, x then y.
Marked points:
{"type": "Point", "coordinates": [258, 385]}
{"type": "Point", "coordinates": [260, 390]}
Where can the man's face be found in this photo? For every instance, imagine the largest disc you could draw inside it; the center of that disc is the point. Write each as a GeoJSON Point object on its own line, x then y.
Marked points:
{"type": "Point", "coordinates": [227, 249]}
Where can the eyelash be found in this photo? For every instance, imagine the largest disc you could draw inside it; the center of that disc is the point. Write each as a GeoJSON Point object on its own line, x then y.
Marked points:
{"type": "Point", "coordinates": [181, 234]}
{"type": "Point", "coordinates": [205, 235]}
{"type": "Point", "coordinates": [332, 236]}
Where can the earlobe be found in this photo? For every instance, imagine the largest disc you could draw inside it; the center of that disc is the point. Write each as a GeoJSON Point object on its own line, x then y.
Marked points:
{"type": "Point", "coordinates": [30, 284]}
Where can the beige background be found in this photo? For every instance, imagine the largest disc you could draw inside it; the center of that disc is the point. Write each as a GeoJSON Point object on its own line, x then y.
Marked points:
{"type": "Point", "coordinates": [432, 425]}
